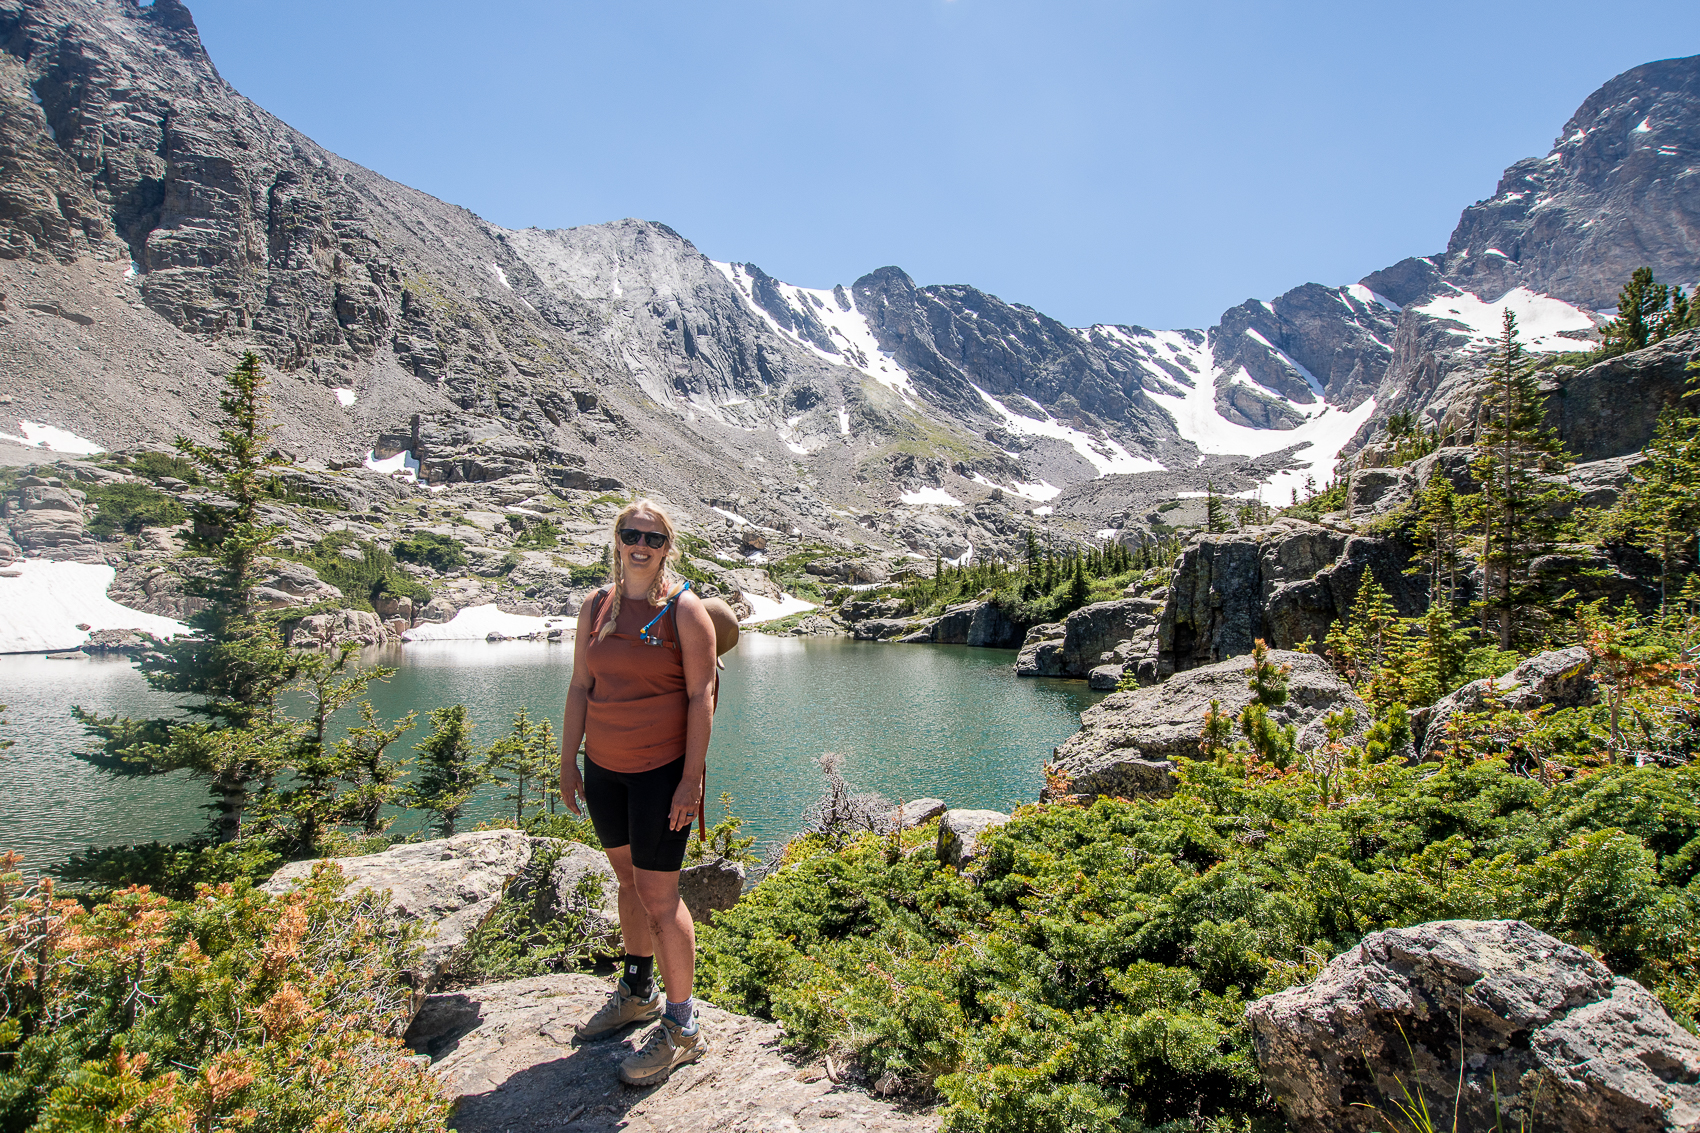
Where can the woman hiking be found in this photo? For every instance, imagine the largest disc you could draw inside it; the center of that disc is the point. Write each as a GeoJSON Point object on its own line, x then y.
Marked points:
{"type": "Point", "coordinates": [642, 700]}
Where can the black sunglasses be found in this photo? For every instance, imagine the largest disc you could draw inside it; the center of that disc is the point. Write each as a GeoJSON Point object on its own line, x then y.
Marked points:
{"type": "Point", "coordinates": [630, 535]}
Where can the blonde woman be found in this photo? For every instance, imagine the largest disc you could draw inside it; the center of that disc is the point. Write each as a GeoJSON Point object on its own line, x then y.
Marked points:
{"type": "Point", "coordinates": [642, 700]}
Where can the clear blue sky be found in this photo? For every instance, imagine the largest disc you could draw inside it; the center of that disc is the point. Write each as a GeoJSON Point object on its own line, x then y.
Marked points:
{"type": "Point", "coordinates": [1138, 162]}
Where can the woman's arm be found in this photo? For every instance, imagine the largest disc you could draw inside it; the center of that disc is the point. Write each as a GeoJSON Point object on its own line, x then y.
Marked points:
{"type": "Point", "coordinates": [696, 649]}
{"type": "Point", "coordinates": [578, 699]}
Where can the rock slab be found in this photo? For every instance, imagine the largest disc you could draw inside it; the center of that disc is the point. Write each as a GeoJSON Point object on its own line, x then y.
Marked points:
{"type": "Point", "coordinates": [1561, 678]}
{"type": "Point", "coordinates": [960, 833]}
{"type": "Point", "coordinates": [450, 885]}
{"type": "Point", "coordinates": [505, 1051]}
{"type": "Point", "coordinates": [1128, 740]}
{"type": "Point", "coordinates": [711, 887]}
{"type": "Point", "coordinates": [1565, 1045]}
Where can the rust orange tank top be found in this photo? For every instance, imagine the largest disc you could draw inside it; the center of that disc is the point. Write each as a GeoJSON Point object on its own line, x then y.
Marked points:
{"type": "Point", "coordinates": [636, 717]}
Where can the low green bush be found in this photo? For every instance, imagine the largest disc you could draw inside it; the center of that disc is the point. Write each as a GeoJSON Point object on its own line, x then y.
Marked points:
{"type": "Point", "coordinates": [234, 1010]}
{"type": "Point", "coordinates": [1094, 975]}
{"type": "Point", "coordinates": [426, 548]}
{"type": "Point", "coordinates": [365, 580]}
{"type": "Point", "coordinates": [129, 507]}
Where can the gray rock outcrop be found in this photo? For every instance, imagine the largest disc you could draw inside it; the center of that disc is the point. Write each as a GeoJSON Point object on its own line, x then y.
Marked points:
{"type": "Point", "coordinates": [1041, 651]}
{"type": "Point", "coordinates": [961, 833]}
{"type": "Point", "coordinates": [1128, 742]}
{"type": "Point", "coordinates": [1108, 633]}
{"type": "Point", "coordinates": [1496, 1013]}
{"type": "Point", "coordinates": [915, 812]}
{"type": "Point", "coordinates": [579, 879]}
{"type": "Point", "coordinates": [1560, 678]}
{"type": "Point", "coordinates": [711, 887]}
{"type": "Point", "coordinates": [977, 623]}
{"type": "Point", "coordinates": [339, 627]}
{"type": "Point", "coordinates": [449, 885]}
{"type": "Point", "coordinates": [1283, 583]}
{"type": "Point", "coordinates": [505, 1053]}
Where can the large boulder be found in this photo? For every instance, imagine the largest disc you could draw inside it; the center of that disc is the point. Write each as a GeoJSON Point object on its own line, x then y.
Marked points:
{"type": "Point", "coordinates": [751, 580]}
{"type": "Point", "coordinates": [449, 885]}
{"type": "Point", "coordinates": [580, 879]}
{"type": "Point", "coordinates": [915, 812]}
{"type": "Point", "coordinates": [1373, 492]}
{"type": "Point", "coordinates": [711, 887]}
{"type": "Point", "coordinates": [1523, 1030]}
{"type": "Point", "coordinates": [1108, 633]}
{"type": "Point", "coordinates": [339, 627]}
{"type": "Point", "coordinates": [283, 584]}
{"type": "Point", "coordinates": [1041, 651]}
{"type": "Point", "coordinates": [1128, 741]}
{"type": "Point", "coordinates": [885, 629]}
{"type": "Point", "coordinates": [505, 1053]}
{"type": "Point", "coordinates": [961, 833]}
{"type": "Point", "coordinates": [1561, 678]}
{"type": "Point", "coordinates": [977, 623]}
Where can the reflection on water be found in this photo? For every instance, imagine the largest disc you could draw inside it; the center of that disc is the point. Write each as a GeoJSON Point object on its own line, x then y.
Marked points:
{"type": "Point", "coordinates": [911, 721]}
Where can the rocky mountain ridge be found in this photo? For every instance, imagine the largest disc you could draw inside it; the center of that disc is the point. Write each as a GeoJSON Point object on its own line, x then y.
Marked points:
{"type": "Point", "coordinates": [154, 223]}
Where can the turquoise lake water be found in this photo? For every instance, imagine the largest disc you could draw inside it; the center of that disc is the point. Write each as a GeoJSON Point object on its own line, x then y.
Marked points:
{"type": "Point", "coordinates": [910, 721]}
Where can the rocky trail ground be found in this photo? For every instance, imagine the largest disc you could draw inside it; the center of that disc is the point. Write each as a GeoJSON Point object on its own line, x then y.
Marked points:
{"type": "Point", "coordinates": [506, 1052]}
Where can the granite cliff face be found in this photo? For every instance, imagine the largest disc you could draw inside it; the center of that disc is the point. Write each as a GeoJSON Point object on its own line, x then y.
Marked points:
{"type": "Point", "coordinates": [154, 224]}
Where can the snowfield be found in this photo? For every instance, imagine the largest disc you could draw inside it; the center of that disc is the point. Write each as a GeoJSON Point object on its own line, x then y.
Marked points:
{"type": "Point", "coordinates": [401, 464]}
{"type": "Point", "coordinates": [767, 610]}
{"type": "Point", "coordinates": [849, 330]}
{"type": "Point", "coordinates": [1324, 433]}
{"type": "Point", "coordinates": [1539, 317]}
{"type": "Point", "coordinates": [42, 606]}
{"type": "Point", "coordinates": [475, 623]}
{"type": "Point", "coordinates": [52, 438]}
{"type": "Point", "coordinates": [936, 497]}
{"type": "Point", "coordinates": [1103, 453]}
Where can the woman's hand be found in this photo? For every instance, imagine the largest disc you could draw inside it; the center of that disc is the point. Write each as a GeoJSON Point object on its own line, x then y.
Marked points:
{"type": "Point", "coordinates": [572, 786]}
{"type": "Point", "coordinates": [685, 799]}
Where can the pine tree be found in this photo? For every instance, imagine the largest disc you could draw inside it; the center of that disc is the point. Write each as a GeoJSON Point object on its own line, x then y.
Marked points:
{"type": "Point", "coordinates": [233, 665]}
{"type": "Point", "coordinates": [1640, 312]}
{"type": "Point", "coordinates": [1079, 590]}
{"type": "Point", "coordinates": [1440, 522]}
{"type": "Point", "coordinates": [1661, 508]}
{"type": "Point", "coordinates": [1516, 508]}
{"type": "Point", "coordinates": [1368, 640]}
{"type": "Point", "coordinates": [364, 763]}
{"type": "Point", "coordinates": [1215, 511]}
{"type": "Point", "coordinates": [1215, 742]}
{"type": "Point", "coordinates": [1270, 743]}
{"type": "Point", "coordinates": [449, 768]}
{"type": "Point", "coordinates": [524, 758]}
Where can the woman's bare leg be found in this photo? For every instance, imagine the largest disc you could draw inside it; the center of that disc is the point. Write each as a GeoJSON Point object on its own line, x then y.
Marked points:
{"type": "Point", "coordinates": [669, 926]}
{"type": "Point", "coordinates": [634, 921]}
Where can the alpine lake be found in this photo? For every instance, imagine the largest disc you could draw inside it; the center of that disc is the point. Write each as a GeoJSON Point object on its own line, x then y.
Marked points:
{"type": "Point", "coordinates": [909, 721]}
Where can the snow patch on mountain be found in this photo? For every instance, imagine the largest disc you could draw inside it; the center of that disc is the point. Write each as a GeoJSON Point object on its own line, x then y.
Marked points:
{"type": "Point", "coordinates": [1364, 295]}
{"type": "Point", "coordinates": [1103, 452]}
{"type": "Point", "coordinates": [936, 497]}
{"type": "Point", "coordinates": [1042, 491]}
{"type": "Point", "coordinates": [1540, 318]}
{"type": "Point", "coordinates": [1326, 430]}
{"type": "Point", "coordinates": [52, 438]}
{"type": "Point", "coordinates": [401, 465]}
{"type": "Point", "coordinates": [43, 603]}
{"type": "Point", "coordinates": [849, 329]}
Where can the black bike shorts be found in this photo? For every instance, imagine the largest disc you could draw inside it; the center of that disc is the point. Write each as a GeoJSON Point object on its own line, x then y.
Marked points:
{"type": "Point", "coordinates": [631, 810]}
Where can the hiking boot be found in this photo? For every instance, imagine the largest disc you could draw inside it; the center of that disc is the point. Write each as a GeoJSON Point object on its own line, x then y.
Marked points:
{"type": "Point", "coordinates": [668, 1049]}
{"type": "Point", "coordinates": [622, 1009]}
